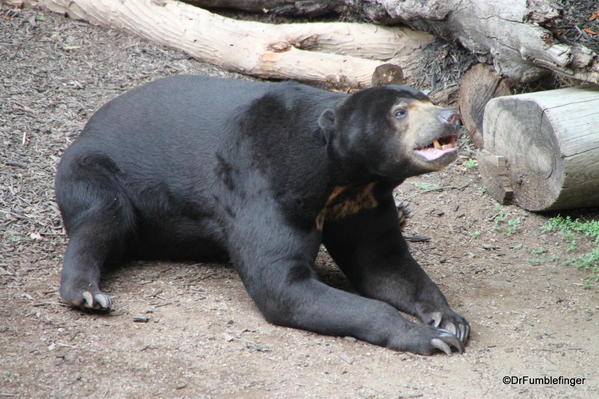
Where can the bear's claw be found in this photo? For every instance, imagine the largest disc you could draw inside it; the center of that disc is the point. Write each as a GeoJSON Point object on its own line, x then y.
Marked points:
{"type": "Point", "coordinates": [97, 301]}
{"type": "Point", "coordinates": [446, 341]}
{"type": "Point", "coordinates": [458, 327]}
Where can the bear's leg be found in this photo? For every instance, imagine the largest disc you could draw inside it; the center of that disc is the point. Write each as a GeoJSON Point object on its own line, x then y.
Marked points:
{"type": "Point", "coordinates": [371, 251]}
{"type": "Point", "coordinates": [80, 276]}
{"type": "Point", "coordinates": [274, 260]}
{"type": "Point", "coordinates": [98, 218]}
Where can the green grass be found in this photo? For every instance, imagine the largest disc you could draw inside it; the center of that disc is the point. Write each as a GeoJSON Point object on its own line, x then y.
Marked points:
{"type": "Point", "coordinates": [567, 229]}
{"type": "Point", "coordinates": [471, 164]}
{"type": "Point", "coordinates": [566, 225]}
{"type": "Point", "coordinates": [512, 227]}
{"type": "Point", "coordinates": [501, 221]}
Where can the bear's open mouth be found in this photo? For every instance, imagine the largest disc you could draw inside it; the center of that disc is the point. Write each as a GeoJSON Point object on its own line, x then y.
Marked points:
{"type": "Point", "coordinates": [438, 148]}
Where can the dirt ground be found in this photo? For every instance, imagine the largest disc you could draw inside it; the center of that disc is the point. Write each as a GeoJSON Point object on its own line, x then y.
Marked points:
{"type": "Point", "coordinates": [204, 338]}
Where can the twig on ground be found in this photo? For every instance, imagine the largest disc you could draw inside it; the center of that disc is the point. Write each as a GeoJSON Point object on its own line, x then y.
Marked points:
{"type": "Point", "coordinates": [438, 189]}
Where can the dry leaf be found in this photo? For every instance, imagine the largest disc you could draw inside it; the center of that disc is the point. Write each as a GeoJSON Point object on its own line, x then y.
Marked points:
{"type": "Point", "coordinates": [36, 236]}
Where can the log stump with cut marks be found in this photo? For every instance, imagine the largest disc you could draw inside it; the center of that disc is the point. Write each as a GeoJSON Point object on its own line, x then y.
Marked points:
{"type": "Point", "coordinates": [542, 149]}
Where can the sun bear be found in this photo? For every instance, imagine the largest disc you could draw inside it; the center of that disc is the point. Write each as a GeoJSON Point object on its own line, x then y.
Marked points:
{"type": "Point", "coordinates": [260, 174]}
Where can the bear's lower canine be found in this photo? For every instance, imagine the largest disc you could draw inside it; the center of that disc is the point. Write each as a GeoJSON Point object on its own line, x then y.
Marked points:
{"type": "Point", "coordinates": [262, 174]}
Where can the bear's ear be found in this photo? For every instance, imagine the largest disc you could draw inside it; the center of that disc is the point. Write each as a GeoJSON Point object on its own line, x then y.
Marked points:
{"type": "Point", "coordinates": [327, 122]}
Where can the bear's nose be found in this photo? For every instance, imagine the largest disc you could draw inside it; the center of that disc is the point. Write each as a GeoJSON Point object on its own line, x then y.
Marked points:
{"type": "Point", "coordinates": [450, 116]}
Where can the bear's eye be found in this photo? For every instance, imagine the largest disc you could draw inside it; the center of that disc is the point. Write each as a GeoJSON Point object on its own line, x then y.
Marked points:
{"type": "Point", "coordinates": [400, 113]}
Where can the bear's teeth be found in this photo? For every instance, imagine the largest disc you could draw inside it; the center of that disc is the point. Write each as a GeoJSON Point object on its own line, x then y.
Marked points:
{"type": "Point", "coordinates": [437, 144]}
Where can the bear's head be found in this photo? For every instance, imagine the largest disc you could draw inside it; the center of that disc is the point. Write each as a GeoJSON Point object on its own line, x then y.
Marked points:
{"type": "Point", "coordinates": [391, 132]}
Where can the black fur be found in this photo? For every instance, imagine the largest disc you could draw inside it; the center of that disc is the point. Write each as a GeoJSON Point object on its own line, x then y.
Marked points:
{"type": "Point", "coordinates": [190, 167]}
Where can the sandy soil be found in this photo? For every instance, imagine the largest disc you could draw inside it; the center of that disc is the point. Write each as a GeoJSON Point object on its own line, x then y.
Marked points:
{"type": "Point", "coordinates": [203, 337]}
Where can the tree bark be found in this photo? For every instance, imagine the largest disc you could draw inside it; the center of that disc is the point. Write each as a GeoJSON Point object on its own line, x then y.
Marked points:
{"type": "Point", "coordinates": [508, 34]}
{"type": "Point", "coordinates": [343, 55]}
{"type": "Point", "coordinates": [543, 148]}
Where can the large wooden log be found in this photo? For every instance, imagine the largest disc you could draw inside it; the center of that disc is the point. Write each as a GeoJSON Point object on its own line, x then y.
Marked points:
{"type": "Point", "coordinates": [543, 148]}
{"type": "Point", "coordinates": [510, 34]}
{"type": "Point", "coordinates": [477, 86]}
{"type": "Point", "coordinates": [309, 8]}
{"type": "Point", "coordinates": [344, 55]}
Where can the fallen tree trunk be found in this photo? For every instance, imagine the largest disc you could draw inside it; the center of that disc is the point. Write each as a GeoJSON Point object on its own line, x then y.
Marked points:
{"type": "Point", "coordinates": [344, 55]}
{"type": "Point", "coordinates": [509, 34]}
{"type": "Point", "coordinates": [542, 149]}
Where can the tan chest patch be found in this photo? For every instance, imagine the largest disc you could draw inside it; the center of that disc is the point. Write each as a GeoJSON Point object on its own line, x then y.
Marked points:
{"type": "Point", "coordinates": [346, 201]}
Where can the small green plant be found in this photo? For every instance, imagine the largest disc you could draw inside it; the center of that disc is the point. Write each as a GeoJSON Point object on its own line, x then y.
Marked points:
{"type": "Point", "coordinates": [501, 219]}
{"type": "Point", "coordinates": [539, 258]}
{"type": "Point", "coordinates": [568, 236]}
{"type": "Point", "coordinates": [483, 189]}
{"type": "Point", "coordinates": [588, 261]}
{"type": "Point", "coordinates": [426, 187]}
{"type": "Point", "coordinates": [512, 228]}
{"type": "Point", "coordinates": [471, 164]}
{"type": "Point", "coordinates": [475, 234]}
{"type": "Point", "coordinates": [567, 227]}
{"type": "Point", "coordinates": [566, 224]}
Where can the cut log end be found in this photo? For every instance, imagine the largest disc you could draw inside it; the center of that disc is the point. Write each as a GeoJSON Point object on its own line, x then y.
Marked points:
{"type": "Point", "coordinates": [479, 85]}
{"type": "Point", "coordinates": [387, 74]}
{"type": "Point", "coordinates": [543, 149]}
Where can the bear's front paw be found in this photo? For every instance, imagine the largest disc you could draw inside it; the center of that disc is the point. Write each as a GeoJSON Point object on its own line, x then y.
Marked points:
{"type": "Point", "coordinates": [426, 340]}
{"type": "Point", "coordinates": [85, 298]}
{"type": "Point", "coordinates": [449, 321]}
